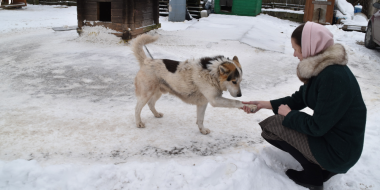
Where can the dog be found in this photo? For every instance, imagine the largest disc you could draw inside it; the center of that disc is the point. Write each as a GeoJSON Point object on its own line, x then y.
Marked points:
{"type": "Point", "coordinates": [198, 82]}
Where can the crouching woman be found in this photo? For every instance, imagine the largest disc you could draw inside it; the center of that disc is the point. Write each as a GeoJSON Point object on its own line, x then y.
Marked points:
{"type": "Point", "coordinates": [331, 140]}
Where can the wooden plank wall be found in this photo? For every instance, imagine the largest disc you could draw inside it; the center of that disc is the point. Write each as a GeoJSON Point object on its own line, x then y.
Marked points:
{"type": "Point", "coordinates": [143, 13]}
{"type": "Point", "coordinates": [117, 11]}
{"type": "Point", "coordinates": [88, 10]}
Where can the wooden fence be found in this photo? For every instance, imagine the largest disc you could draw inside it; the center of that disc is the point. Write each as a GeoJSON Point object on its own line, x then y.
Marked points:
{"type": "Point", "coordinates": [284, 4]}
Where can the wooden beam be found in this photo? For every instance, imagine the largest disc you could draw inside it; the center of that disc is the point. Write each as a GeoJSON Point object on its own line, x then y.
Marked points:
{"type": "Point", "coordinates": [117, 12]}
{"type": "Point", "coordinates": [91, 17]}
{"type": "Point", "coordinates": [114, 26]}
{"type": "Point", "coordinates": [117, 5]}
{"type": "Point", "coordinates": [117, 19]}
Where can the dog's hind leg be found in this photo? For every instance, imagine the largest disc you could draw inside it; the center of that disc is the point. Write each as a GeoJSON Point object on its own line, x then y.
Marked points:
{"type": "Point", "coordinates": [141, 101]}
{"type": "Point", "coordinates": [152, 103]}
{"type": "Point", "coordinates": [201, 109]}
{"type": "Point", "coordinates": [144, 91]}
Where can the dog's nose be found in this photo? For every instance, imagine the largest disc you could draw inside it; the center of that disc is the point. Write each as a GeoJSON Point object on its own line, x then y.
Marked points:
{"type": "Point", "coordinates": [239, 95]}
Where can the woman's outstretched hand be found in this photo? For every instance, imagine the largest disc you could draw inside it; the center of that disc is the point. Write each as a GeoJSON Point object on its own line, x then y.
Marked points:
{"type": "Point", "coordinates": [259, 104]}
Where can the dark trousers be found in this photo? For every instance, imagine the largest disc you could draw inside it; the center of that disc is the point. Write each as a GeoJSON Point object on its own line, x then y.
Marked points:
{"type": "Point", "coordinates": [313, 173]}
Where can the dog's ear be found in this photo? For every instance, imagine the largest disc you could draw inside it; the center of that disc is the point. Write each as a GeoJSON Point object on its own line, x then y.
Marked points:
{"type": "Point", "coordinates": [223, 69]}
{"type": "Point", "coordinates": [236, 61]}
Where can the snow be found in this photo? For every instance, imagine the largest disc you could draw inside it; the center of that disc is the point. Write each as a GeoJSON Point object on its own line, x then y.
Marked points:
{"type": "Point", "coordinates": [67, 109]}
{"type": "Point", "coordinates": [37, 17]}
{"type": "Point", "coordinates": [345, 7]}
{"type": "Point", "coordinates": [350, 18]}
{"type": "Point", "coordinates": [99, 35]}
{"type": "Point", "coordinates": [358, 20]}
{"type": "Point", "coordinates": [340, 15]}
{"type": "Point", "coordinates": [170, 26]}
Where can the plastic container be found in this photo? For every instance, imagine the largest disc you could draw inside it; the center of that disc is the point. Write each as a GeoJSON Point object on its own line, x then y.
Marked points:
{"type": "Point", "coordinates": [204, 13]}
{"type": "Point", "coordinates": [177, 10]}
{"type": "Point", "coordinates": [358, 8]}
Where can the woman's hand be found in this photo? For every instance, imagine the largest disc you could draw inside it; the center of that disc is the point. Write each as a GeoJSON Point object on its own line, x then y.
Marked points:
{"type": "Point", "coordinates": [259, 104]}
{"type": "Point", "coordinates": [284, 110]}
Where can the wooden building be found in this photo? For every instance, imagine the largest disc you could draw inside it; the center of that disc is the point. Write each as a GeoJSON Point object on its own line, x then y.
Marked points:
{"type": "Point", "coordinates": [319, 11]}
{"type": "Point", "coordinates": [129, 17]}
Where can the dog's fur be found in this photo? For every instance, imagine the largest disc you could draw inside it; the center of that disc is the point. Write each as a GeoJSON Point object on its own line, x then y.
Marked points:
{"type": "Point", "coordinates": [196, 82]}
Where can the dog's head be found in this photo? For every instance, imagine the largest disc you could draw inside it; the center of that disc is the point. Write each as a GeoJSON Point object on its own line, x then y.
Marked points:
{"type": "Point", "coordinates": [230, 76]}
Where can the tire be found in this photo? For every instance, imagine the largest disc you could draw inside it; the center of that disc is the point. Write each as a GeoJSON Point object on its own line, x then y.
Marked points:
{"type": "Point", "coordinates": [368, 42]}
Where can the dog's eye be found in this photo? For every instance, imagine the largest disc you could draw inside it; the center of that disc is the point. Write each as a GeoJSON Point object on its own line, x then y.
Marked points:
{"type": "Point", "coordinates": [233, 82]}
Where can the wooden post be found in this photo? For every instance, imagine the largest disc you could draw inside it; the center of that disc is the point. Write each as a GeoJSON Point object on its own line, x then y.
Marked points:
{"type": "Point", "coordinates": [156, 14]}
{"type": "Point", "coordinates": [81, 11]}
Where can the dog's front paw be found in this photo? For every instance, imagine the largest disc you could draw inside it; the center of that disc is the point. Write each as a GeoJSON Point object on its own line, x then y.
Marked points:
{"type": "Point", "coordinates": [159, 115]}
{"type": "Point", "coordinates": [253, 107]}
{"type": "Point", "coordinates": [205, 131]}
{"type": "Point", "coordinates": [140, 125]}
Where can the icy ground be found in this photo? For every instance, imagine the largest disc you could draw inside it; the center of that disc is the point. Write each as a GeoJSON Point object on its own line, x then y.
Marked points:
{"type": "Point", "coordinates": [67, 107]}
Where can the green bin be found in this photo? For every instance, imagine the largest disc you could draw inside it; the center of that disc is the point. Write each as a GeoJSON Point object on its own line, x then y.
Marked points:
{"type": "Point", "coordinates": [238, 7]}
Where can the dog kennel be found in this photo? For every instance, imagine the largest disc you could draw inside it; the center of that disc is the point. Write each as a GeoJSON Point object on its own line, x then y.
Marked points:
{"type": "Point", "coordinates": [238, 7]}
{"type": "Point", "coordinates": [319, 11]}
{"type": "Point", "coordinates": [128, 17]}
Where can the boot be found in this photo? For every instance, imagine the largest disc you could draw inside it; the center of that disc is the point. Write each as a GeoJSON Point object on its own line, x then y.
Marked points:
{"type": "Point", "coordinates": [327, 175]}
{"type": "Point", "coordinates": [311, 177]}
{"type": "Point", "coordinates": [301, 178]}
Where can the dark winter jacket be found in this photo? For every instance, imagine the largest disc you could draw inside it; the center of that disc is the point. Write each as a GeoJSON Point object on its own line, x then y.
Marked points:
{"type": "Point", "coordinates": [336, 129]}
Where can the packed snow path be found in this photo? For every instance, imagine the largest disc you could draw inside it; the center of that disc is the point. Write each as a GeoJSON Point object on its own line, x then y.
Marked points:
{"type": "Point", "coordinates": [67, 107]}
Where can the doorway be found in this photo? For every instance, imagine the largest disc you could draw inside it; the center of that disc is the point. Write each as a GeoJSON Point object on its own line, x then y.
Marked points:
{"type": "Point", "coordinates": [226, 5]}
{"type": "Point", "coordinates": [104, 11]}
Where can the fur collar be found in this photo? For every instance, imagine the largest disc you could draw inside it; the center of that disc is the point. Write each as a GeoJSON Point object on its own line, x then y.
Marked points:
{"type": "Point", "coordinates": [312, 66]}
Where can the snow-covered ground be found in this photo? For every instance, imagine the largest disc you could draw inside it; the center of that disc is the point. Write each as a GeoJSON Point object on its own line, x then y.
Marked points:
{"type": "Point", "coordinates": [67, 107]}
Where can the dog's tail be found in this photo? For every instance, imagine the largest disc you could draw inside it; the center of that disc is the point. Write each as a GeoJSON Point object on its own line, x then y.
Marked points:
{"type": "Point", "coordinates": [137, 46]}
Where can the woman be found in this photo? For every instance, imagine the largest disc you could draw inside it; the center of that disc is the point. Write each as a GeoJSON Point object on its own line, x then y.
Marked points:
{"type": "Point", "coordinates": [331, 140]}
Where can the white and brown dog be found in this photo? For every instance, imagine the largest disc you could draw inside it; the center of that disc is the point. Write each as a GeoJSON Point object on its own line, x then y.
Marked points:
{"type": "Point", "coordinates": [196, 82]}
